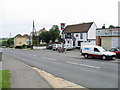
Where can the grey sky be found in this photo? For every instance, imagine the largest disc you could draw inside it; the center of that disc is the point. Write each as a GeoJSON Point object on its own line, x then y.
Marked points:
{"type": "Point", "coordinates": [17, 15]}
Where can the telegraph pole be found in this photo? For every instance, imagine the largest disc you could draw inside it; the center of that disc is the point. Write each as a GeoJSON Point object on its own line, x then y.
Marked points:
{"type": "Point", "coordinates": [10, 40]}
{"type": "Point", "coordinates": [33, 34]}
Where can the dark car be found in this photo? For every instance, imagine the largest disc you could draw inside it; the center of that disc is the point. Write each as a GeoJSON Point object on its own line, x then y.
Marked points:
{"type": "Point", "coordinates": [117, 51]}
{"type": "Point", "coordinates": [49, 46]}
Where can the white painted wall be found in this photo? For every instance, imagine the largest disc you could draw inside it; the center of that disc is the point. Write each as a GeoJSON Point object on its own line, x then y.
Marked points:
{"type": "Point", "coordinates": [79, 39]}
{"type": "Point", "coordinates": [88, 43]}
{"type": "Point", "coordinates": [35, 47]}
{"type": "Point", "coordinates": [92, 32]}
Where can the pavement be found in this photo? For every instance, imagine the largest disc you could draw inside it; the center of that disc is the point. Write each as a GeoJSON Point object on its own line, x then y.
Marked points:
{"type": "Point", "coordinates": [22, 76]}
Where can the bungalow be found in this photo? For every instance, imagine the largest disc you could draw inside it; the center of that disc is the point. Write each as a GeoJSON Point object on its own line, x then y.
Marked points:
{"type": "Point", "coordinates": [80, 34]}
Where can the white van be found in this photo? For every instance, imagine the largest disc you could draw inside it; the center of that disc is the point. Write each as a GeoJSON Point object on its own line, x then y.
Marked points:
{"type": "Point", "coordinates": [97, 52]}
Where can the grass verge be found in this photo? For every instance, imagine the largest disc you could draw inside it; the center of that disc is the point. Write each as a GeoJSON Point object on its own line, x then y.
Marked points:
{"type": "Point", "coordinates": [5, 79]}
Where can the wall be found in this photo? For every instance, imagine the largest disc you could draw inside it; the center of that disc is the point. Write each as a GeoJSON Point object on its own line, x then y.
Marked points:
{"type": "Point", "coordinates": [92, 32]}
{"type": "Point", "coordinates": [106, 42]}
{"type": "Point", "coordinates": [98, 40]}
{"type": "Point", "coordinates": [88, 43]}
{"type": "Point", "coordinates": [79, 39]}
{"type": "Point", "coordinates": [19, 41]}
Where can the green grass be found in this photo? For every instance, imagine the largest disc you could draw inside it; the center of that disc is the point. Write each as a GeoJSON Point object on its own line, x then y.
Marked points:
{"type": "Point", "coordinates": [5, 79]}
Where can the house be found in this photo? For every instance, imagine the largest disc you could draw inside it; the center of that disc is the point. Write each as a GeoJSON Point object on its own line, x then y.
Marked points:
{"type": "Point", "coordinates": [37, 33]}
{"type": "Point", "coordinates": [108, 37]}
{"type": "Point", "coordinates": [20, 40]}
{"type": "Point", "coordinates": [80, 34]}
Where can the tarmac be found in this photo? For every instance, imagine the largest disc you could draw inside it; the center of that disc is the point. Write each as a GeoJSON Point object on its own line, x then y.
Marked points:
{"type": "Point", "coordinates": [25, 76]}
{"type": "Point", "coordinates": [22, 76]}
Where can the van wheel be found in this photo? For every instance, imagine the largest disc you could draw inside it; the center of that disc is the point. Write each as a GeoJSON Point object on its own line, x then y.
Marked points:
{"type": "Point", "coordinates": [103, 57]}
{"type": "Point", "coordinates": [113, 58]}
{"type": "Point", "coordinates": [86, 55]}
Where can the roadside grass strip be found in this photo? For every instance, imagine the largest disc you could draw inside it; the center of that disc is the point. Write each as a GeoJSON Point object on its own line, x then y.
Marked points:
{"type": "Point", "coordinates": [5, 81]}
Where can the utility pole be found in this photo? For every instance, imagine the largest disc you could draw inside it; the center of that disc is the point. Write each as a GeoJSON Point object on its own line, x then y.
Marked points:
{"type": "Point", "coordinates": [10, 40]}
{"type": "Point", "coordinates": [34, 35]}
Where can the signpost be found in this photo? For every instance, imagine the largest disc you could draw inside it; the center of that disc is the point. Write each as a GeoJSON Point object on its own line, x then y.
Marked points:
{"type": "Point", "coordinates": [62, 38]}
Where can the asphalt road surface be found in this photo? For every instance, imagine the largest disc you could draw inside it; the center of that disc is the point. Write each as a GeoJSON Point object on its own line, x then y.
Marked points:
{"type": "Point", "coordinates": [90, 73]}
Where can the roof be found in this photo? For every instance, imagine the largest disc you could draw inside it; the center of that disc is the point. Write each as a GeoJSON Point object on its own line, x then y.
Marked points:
{"type": "Point", "coordinates": [41, 30]}
{"type": "Point", "coordinates": [107, 28]}
{"type": "Point", "coordinates": [18, 35]}
{"type": "Point", "coordinates": [84, 27]}
{"type": "Point", "coordinates": [25, 35]}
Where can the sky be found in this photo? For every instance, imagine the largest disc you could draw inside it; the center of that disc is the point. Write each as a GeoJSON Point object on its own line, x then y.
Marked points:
{"type": "Point", "coordinates": [16, 16]}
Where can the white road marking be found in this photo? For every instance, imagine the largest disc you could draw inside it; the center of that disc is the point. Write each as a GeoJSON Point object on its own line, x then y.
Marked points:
{"type": "Point", "coordinates": [84, 65]}
{"type": "Point", "coordinates": [49, 58]}
{"type": "Point", "coordinates": [89, 66]}
{"type": "Point", "coordinates": [72, 63]}
{"type": "Point", "coordinates": [44, 57]}
{"type": "Point", "coordinates": [52, 59]}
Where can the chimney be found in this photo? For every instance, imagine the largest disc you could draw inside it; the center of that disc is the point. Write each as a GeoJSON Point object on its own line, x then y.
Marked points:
{"type": "Point", "coordinates": [103, 27]}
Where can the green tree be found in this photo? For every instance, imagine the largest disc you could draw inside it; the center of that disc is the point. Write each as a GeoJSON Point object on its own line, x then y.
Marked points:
{"type": "Point", "coordinates": [54, 33]}
{"type": "Point", "coordinates": [4, 43]}
{"type": "Point", "coordinates": [10, 42]}
{"type": "Point", "coordinates": [111, 26]}
{"type": "Point", "coordinates": [45, 36]}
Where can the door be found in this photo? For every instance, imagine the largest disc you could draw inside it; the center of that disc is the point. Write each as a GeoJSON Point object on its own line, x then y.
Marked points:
{"type": "Point", "coordinates": [96, 53]}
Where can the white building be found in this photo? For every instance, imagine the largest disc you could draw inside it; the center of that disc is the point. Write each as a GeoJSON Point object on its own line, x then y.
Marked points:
{"type": "Point", "coordinates": [80, 34]}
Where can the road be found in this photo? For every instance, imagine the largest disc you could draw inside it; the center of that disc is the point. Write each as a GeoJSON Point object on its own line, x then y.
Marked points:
{"type": "Point", "coordinates": [89, 73]}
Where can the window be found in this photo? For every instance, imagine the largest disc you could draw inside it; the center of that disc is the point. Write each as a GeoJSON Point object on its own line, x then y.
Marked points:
{"type": "Point", "coordinates": [76, 35]}
{"type": "Point", "coordinates": [20, 43]}
{"type": "Point", "coordinates": [68, 42]}
{"type": "Point", "coordinates": [79, 43]}
{"type": "Point", "coordinates": [96, 50]}
{"type": "Point", "coordinates": [73, 43]}
{"type": "Point", "coordinates": [81, 35]}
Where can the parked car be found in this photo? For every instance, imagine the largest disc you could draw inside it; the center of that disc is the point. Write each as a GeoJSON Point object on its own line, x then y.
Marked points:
{"type": "Point", "coordinates": [117, 51]}
{"type": "Point", "coordinates": [68, 47]}
{"type": "Point", "coordinates": [56, 46]}
{"type": "Point", "coordinates": [49, 46]}
{"type": "Point", "coordinates": [3, 46]}
{"type": "Point", "coordinates": [97, 52]}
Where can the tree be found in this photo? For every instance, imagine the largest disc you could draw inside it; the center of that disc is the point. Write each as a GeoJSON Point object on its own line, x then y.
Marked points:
{"type": "Point", "coordinates": [111, 26]}
{"type": "Point", "coordinates": [9, 42]}
{"type": "Point", "coordinates": [45, 36]}
{"type": "Point", "coordinates": [4, 43]}
{"type": "Point", "coordinates": [54, 33]}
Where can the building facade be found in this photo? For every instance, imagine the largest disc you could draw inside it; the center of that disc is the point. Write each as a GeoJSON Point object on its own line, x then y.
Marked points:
{"type": "Point", "coordinates": [80, 34]}
{"type": "Point", "coordinates": [20, 40]}
{"type": "Point", "coordinates": [108, 37]}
